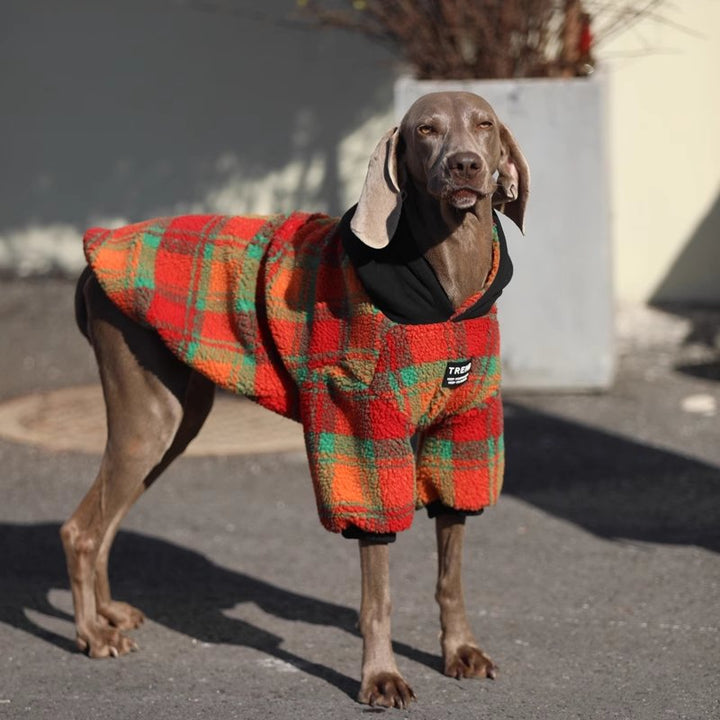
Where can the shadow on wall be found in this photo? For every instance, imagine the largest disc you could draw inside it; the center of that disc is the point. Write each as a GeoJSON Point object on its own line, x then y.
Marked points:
{"type": "Point", "coordinates": [694, 277]}
{"type": "Point", "coordinates": [691, 289]}
{"type": "Point", "coordinates": [115, 112]}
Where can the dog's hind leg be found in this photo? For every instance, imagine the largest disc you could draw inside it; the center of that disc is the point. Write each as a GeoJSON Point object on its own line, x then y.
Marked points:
{"type": "Point", "coordinates": [155, 405]}
{"type": "Point", "coordinates": [197, 404]}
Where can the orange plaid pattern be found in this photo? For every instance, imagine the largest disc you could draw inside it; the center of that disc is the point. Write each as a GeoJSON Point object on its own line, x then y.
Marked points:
{"type": "Point", "coordinates": [272, 308]}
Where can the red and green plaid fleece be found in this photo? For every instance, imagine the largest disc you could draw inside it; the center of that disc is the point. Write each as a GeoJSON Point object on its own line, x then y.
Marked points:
{"type": "Point", "coordinates": [272, 308]}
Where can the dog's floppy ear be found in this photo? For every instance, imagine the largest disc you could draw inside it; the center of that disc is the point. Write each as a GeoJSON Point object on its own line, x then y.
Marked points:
{"type": "Point", "coordinates": [513, 189]}
{"type": "Point", "coordinates": [378, 210]}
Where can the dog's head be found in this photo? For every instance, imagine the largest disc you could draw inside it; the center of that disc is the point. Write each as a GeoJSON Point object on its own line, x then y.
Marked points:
{"type": "Point", "coordinates": [451, 148]}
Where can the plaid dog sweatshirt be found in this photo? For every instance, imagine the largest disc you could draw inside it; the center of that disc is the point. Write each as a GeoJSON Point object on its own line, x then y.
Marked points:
{"type": "Point", "coordinates": [361, 346]}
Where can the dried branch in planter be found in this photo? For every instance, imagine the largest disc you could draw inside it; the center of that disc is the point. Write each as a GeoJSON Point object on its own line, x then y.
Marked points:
{"type": "Point", "coordinates": [485, 38]}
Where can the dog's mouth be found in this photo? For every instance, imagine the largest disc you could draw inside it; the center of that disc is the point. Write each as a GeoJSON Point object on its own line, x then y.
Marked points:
{"type": "Point", "coordinates": [463, 198]}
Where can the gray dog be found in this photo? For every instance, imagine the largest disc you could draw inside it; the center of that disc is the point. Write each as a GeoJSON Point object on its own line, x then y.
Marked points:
{"type": "Point", "coordinates": [425, 216]}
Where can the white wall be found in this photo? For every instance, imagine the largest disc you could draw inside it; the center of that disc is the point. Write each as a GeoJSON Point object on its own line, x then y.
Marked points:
{"type": "Point", "coordinates": [665, 154]}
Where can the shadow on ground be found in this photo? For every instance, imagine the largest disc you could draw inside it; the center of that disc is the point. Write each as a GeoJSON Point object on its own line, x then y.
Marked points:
{"type": "Point", "coordinates": [174, 586]}
{"type": "Point", "coordinates": [608, 485]}
{"type": "Point", "coordinates": [699, 352]}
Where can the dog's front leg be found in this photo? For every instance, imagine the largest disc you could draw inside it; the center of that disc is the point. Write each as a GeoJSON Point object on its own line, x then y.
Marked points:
{"type": "Point", "coordinates": [461, 655]}
{"type": "Point", "coordinates": [381, 682]}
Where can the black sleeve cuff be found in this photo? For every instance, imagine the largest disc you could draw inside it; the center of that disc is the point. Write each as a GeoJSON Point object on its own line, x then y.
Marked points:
{"type": "Point", "coordinates": [437, 508]}
{"type": "Point", "coordinates": [352, 532]}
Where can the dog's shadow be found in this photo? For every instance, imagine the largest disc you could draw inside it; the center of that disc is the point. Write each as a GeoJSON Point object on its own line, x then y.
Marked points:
{"type": "Point", "coordinates": [177, 588]}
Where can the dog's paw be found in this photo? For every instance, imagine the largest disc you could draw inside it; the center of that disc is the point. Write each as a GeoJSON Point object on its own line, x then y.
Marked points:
{"type": "Point", "coordinates": [103, 641]}
{"type": "Point", "coordinates": [387, 689]}
{"type": "Point", "coordinates": [121, 615]}
{"type": "Point", "coordinates": [470, 662]}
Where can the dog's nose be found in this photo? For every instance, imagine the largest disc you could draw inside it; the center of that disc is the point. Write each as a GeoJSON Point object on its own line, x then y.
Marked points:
{"type": "Point", "coordinates": [464, 165]}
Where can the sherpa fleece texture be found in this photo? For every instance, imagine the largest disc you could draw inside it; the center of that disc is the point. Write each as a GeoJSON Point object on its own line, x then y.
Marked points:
{"type": "Point", "coordinates": [272, 308]}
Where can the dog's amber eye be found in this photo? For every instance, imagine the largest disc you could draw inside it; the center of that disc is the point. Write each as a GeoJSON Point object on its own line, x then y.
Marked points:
{"type": "Point", "coordinates": [484, 125]}
{"type": "Point", "coordinates": [425, 129]}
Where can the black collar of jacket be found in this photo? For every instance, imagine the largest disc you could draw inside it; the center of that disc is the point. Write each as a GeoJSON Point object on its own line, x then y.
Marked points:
{"type": "Point", "coordinates": [402, 283]}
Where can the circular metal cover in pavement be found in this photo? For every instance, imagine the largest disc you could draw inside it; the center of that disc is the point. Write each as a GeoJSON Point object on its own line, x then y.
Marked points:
{"type": "Point", "coordinates": [74, 419]}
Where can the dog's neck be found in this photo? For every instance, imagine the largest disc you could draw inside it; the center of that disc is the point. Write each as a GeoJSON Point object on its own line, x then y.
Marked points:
{"type": "Point", "coordinates": [456, 243]}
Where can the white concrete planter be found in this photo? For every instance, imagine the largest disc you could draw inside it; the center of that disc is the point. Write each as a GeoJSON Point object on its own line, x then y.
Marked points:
{"type": "Point", "coordinates": [557, 313]}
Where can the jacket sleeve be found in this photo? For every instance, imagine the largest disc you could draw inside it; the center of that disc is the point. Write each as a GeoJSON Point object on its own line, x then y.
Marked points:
{"type": "Point", "coordinates": [461, 459]}
{"type": "Point", "coordinates": [361, 459]}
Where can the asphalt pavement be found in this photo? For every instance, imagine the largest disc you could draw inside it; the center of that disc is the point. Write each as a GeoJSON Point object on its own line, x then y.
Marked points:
{"type": "Point", "coordinates": [594, 584]}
